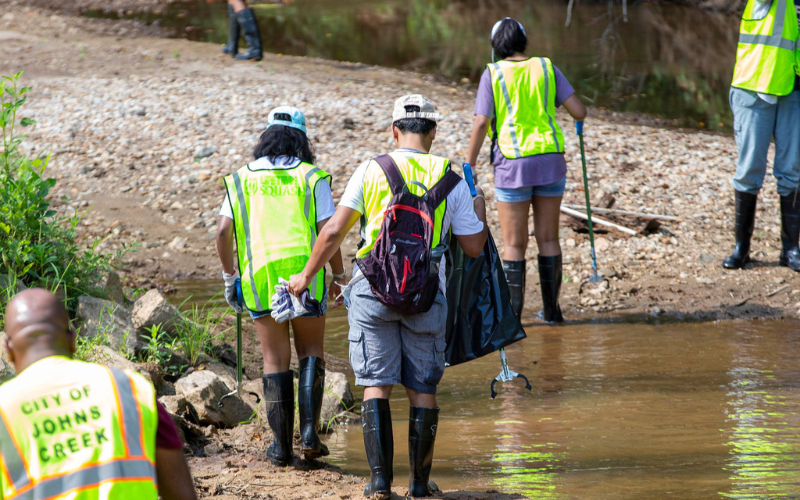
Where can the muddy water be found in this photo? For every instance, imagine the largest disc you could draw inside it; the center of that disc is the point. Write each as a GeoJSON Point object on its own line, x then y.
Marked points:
{"type": "Point", "coordinates": [666, 60]}
{"type": "Point", "coordinates": [685, 411]}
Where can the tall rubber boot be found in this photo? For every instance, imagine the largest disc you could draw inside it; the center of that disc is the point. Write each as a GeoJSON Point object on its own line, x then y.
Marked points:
{"type": "Point", "coordinates": [550, 280]}
{"type": "Point", "coordinates": [743, 230]}
{"type": "Point", "coordinates": [422, 425]}
{"type": "Point", "coordinates": [247, 20]}
{"type": "Point", "coordinates": [279, 400]}
{"type": "Point", "coordinates": [232, 47]}
{"type": "Point", "coordinates": [379, 444]}
{"type": "Point", "coordinates": [515, 276]}
{"type": "Point", "coordinates": [790, 232]}
{"type": "Point", "coordinates": [309, 397]}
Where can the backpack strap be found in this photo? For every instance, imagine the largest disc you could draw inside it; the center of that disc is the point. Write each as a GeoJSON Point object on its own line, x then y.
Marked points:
{"type": "Point", "coordinates": [393, 175]}
{"type": "Point", "coordinates": [438, 193]}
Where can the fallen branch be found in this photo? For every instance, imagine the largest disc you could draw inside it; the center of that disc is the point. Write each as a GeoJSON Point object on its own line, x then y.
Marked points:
{"type": "Point", "coordinates": [779, 290]}
{"type": "Point", "coordinates": [597, 220]}
{"type": "Point", "coordinates": [569, 13]}
{"type": "Point", "coordinates": [623, 212]}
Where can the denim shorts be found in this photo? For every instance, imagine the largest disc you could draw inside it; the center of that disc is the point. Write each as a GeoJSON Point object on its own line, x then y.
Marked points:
{"type": "Point", "coordinates": [526, 193]}
{"type": "Point", "coordinates": [323, 305]}
{"type": "Point", "coordinates": [388, 348]}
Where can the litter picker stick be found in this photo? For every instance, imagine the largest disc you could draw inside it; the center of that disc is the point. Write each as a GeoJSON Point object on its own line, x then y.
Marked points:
{"type": "Point", "coordinates": [506, 375]}
{"type": "Point", "coordinates": [595, 278]}
{"type": "Point", "coordinates": [238, 390]}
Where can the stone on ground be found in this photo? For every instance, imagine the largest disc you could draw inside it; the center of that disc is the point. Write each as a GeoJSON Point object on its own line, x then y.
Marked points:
{"type": "Point", "coordinates": [153, 309]}
{"type": "Point", "coordinates": [3, 353]}
{"type": "Point", "coordinates": [111, 285]}
{"type": "Point", "coordinates": [203, 389]}
{"type": "Point", "coordinates": [337, 398]}
{"type": "Point", "coordinates": [103, 317]}
{"type": "Point", "coordinates": [225, 372]}
{"type": "Point", "coordinates": [6, 371]}
{"type": "Point", "coordinates": [5, 283]}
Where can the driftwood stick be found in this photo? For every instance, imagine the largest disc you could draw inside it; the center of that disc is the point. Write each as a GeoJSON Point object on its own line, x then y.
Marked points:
{"type": "Point", "coordinates": [597, 220]}
{"type": "Point", "coordinates": [569, 13]}
{"type": "Point", "coordinates": [623, 212]}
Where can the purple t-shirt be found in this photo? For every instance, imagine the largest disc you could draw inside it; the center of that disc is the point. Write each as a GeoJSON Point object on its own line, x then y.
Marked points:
{"type": "Point", "coordinates": [536, 170]}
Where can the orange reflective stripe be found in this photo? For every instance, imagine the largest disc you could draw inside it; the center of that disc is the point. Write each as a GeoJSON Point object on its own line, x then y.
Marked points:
{"type": "Point", "coordinates": [130, 415]}
{"type": "Point", "coordinates": [88, 477]}
{"type": "Point", "coordinates": [16, 468]}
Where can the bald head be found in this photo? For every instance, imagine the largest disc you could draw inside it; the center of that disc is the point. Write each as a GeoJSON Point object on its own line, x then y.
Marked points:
{"type": "Point", "coordinates": [37, 325]}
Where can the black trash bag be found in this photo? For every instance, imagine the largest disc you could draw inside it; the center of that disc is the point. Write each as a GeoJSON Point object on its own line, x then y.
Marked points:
{"type": "Point", "coordinates": [480, 320]}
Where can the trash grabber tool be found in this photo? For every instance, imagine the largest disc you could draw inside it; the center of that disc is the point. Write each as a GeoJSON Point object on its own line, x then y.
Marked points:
{"type": "Point", "coordinates": [506, 375]}
{"type": "Point", "coordinates": [595, 279]}
{"type": "Point", "coordinates": [238, 389]}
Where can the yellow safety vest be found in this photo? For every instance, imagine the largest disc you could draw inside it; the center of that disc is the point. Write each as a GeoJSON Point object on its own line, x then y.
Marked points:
{"type": "Point", "coordinates": [77, 431]}
{"type": "Point", "coordinates": [768, 55]}
{"type": "Point", "coordinates": [525, 107]}
{"type": "Point", "coordinates": [275, 219]}
{"type": "Point", "coordinates": [426, 169]}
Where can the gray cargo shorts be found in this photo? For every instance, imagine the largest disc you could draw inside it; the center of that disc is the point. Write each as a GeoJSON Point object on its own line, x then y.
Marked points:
{"type": "Point", "coordinates": [388, 348]}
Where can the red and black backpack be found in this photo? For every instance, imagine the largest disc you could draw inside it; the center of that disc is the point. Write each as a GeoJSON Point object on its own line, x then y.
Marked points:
{"type": "Point", "coordinates": [400, 268]}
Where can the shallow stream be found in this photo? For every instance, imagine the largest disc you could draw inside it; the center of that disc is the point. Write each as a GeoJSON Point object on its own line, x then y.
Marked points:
{"type": "Point", "coordinates": [617, 410]}
{"type": "Point", "coordinates": [667, 60]}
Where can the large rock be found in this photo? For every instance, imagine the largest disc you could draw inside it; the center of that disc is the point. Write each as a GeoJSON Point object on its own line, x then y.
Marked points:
{"type": "Point", "coordinates": [3, 353]}
{"type": "Point", "coordinates": [98, 317]}
{"type": "Point", "coordinates": [107, 356]}
{"type": "Point", "coordinates": [225, 372]}
{"type": "Point", "coordinates": [6, 371]}
{"type": "Point", "coordinates": [111, 286]}
{"type": "Point", "coordinates": [203, 389]}
{"type": "Point", "coordinates": [337, 398]}
{"type": "Point", "coordinates": [153, 309]}
{"type": "Point", "coordinates": [5, 283]}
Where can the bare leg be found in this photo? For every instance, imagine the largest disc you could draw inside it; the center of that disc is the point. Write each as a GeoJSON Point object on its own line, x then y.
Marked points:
{"type": "Point", "coordinates": [421, 400]}
{"type": "Point", "coordinates": [382, 392]}
{"type": "Point", "coordinates": [238, 5]}
{"type": "Point", "coordinates": [546, 212]}
{"type": "Point", "coordinates": [309, 334]}
{"type": "Point", "coordinates": [275, 346]}
{"type": "Point", "coordinates": [514, 224]}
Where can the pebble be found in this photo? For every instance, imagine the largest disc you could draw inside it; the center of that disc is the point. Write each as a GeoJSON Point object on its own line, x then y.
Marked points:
{"type": "Point", "coordinates": [204, 151]}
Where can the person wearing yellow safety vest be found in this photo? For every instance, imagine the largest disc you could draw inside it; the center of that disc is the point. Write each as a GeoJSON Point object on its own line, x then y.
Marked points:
{"type": "Point", "coordinates": [273, 210]}
{"type": "Point", "coordinates": [387, 347]}
{"type": "Point", "coordinates": [518, 96]}
{"type": "Point", "coordinates": [765, 99]}
{"type": "Point", "coordinates": [75, 430]}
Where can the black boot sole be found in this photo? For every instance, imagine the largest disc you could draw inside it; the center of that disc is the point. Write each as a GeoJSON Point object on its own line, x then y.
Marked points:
{"type": "Point", "coordinates": [731, 264]}
{"type": "Point", "coordinates": [784, 263]}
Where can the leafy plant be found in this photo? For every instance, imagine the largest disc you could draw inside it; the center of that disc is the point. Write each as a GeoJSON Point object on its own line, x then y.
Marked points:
{"type": "Point", "coordinates": [86, 346]}
{"type": "Point", "coordinates": [199, 330]}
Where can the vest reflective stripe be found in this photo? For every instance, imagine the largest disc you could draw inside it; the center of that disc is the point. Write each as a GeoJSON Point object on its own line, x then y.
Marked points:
{"type": "Point", "coordinates": [272, 240]}
{"type": "Point", "coordinates": [129, 409]}
{"type": "Point", "coordinates": [768, 53]}
{"type": "Point", "coordinates": [417, 169]}
{"type": "Point", "coordinates": [524, 99]}
{"type": "Point", "coordinates": [118, 470]}
{"type": "Point", "coordinates": [237, 181]}
{"type": "Point", "coordinates": [15, 466]}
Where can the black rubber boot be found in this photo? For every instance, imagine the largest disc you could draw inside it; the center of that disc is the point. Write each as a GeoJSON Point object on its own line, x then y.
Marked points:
{"type": "Point", "coordinates": [550, 281]}
{"type": "Point", "coordinates": [515, 276]}
{"type": "Point", "coordinates": [379, 444]}
{"type": "Point", "coordinates": [744, 222]}
{"type": "Point", "coordinates": [247, 20]}
{"type": "Point", "coordinates": [279, 401]}
{"type": "Point", "coordinates": [232, 47]}
{"type": "Point", "coordinates": [309, 397]}
{"type": "Point", "coordinates": [422, 425]}
{"type": "Point", "coordinates": [790, 232]}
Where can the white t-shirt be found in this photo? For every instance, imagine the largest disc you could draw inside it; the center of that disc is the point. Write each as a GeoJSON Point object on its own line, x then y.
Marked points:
{"type": "Point", "coordinates": [322, 191]}
{"type": "Point", "coordinates": [459, 214]}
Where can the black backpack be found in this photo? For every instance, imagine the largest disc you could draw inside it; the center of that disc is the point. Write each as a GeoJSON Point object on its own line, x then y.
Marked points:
{"type": "Point", "coordinates": [403, 266]}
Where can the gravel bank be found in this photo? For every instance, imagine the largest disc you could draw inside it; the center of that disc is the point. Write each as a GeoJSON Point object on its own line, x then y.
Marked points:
{"type": "Point", "coordinates": [143, 129]}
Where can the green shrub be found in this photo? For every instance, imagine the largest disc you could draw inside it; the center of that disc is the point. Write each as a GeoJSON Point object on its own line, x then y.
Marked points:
{"type": "Point", "coordinates": [199, 331]}
{"type": "Point", "coordinates": [37, 246]}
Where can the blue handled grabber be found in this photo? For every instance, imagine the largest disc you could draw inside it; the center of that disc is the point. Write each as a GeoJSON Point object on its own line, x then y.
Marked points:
{"type": "Point", "coordinates": [506, 374]}
{"type": "Point", "coordinates": [595, 279]}
{"type": "Point", "coordinates": [238, 390]}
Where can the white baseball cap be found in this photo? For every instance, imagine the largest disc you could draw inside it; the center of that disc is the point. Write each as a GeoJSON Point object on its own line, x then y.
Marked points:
{"type": "Point", "coordinates": [296, 118]}
{"type": "Point", "coordinates": [425, 106]}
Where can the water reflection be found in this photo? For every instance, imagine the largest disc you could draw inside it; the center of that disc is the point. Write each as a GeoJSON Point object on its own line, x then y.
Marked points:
{"type": "Point", "coordinates": [666, 60]}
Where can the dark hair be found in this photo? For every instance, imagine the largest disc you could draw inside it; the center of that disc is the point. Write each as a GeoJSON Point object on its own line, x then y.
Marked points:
{"type": "Point", "coordinates": [280, 140]}
{"type": "Point", "coordinates": [510, 38]}
{"type": "Point", "coordinates": [421, 126]}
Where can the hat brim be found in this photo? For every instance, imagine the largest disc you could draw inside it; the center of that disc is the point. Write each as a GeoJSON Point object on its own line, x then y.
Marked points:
{"type": "Point", "coordinates": [419, 114]}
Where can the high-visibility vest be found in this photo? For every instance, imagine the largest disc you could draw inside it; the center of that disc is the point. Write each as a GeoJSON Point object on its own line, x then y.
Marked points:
{"type": "Point", "coordinates": [275, 220]}
{"type": "Point", "coordinates": [768, 55]}
{"type": "Point", "coordinates": [425, 169]}
{"type": "Point", "coordinates": [525, 107]}
{"type": "Point", "coordinates": [77, 431]}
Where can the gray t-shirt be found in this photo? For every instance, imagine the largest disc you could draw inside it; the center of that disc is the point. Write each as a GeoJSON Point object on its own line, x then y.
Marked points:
{"type": "Point", "coordinates": [536, 170]}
